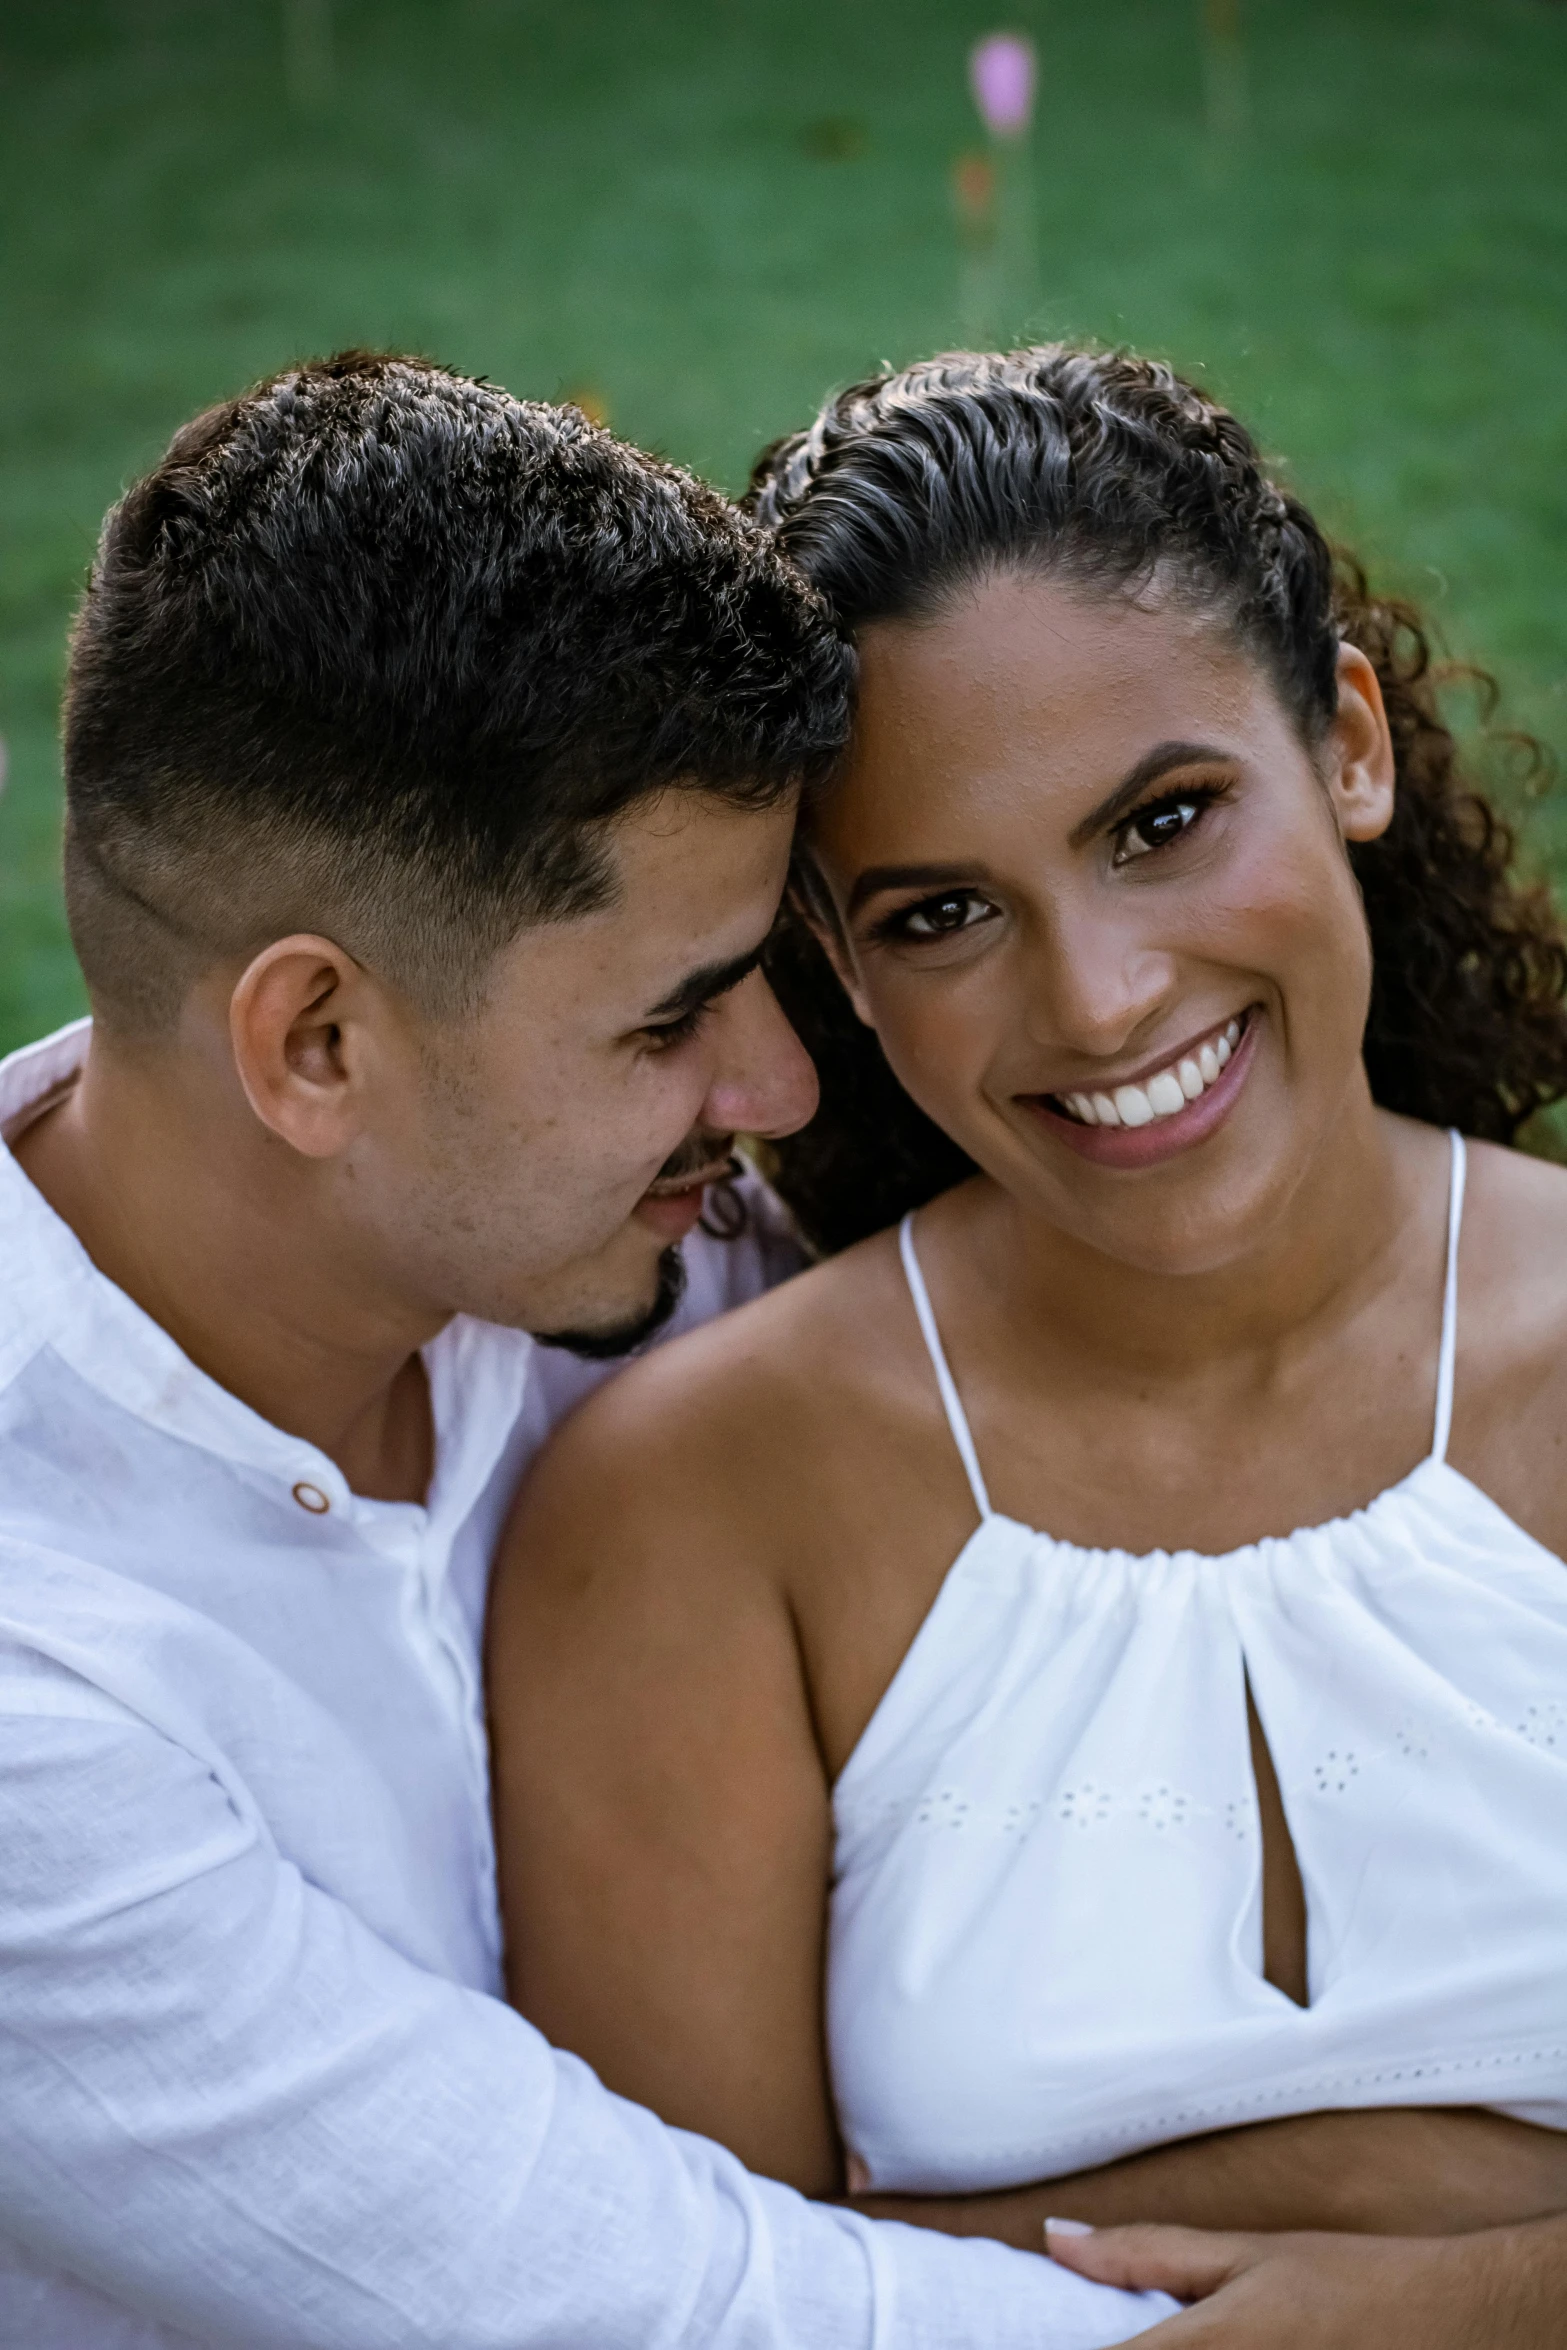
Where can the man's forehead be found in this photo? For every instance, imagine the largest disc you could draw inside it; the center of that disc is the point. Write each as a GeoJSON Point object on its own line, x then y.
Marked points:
{"type": "Point", "coordinates": [696, 890]}
{"type": "Point", "coordinates": [694, 874]}
{"type": "Point", "coordinates": [667, 829]}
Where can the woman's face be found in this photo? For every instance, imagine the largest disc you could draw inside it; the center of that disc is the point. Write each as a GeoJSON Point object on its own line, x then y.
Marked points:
{"type": "Point", "coordinates": [1097, 906]}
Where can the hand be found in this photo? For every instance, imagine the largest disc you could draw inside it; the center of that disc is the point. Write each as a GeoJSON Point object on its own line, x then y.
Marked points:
{"type": "Point", "coordinates": [1503, 2289]}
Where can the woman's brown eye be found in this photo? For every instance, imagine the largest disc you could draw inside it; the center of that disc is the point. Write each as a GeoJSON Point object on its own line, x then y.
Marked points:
{"type": "Point", "coordinates": [937, 917]}
{"type": "Point", "coordinates": [1155, 828]}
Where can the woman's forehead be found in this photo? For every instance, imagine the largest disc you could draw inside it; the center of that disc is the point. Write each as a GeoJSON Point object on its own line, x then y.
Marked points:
{"type": "Point", "coordinates": [1025, 678]}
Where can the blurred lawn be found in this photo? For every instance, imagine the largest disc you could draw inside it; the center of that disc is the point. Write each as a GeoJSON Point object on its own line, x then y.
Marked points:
{"type": "Point", "coordinates": [706, 211]}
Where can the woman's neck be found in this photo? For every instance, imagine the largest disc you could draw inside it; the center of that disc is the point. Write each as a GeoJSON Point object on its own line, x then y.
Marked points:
{"type": "Point", "coordinates": [1332, 1241]}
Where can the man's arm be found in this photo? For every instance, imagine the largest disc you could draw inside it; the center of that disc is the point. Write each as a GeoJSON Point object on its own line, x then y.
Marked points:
{"type": "Point", "coordinates": [232, 2108]}
{"type": "Point", "coordinates": [1391, 2171]}
{"type": "Point", "coordinates": [1500, 2289]}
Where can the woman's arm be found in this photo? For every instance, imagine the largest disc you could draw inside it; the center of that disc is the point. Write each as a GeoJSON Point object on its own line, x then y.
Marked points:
{"type": "Point", "coordinates": [1396, 2171]}
{"type": "Point", "coordinates": [662, 1813]}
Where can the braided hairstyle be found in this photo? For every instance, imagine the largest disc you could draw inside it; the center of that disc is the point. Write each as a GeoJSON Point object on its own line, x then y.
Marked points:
{"type": "Point", "coordinates": [1103, 470]}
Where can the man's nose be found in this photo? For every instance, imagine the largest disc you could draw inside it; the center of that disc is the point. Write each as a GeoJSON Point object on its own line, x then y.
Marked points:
{"type": "Point", "coordinates": [764, 1081]}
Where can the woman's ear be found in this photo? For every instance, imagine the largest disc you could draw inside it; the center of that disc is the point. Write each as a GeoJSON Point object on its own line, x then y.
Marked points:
{"type": "Point", "coordinates": [814, 902]}
{"type": "Point", "coordinates": [824, 929]}
{"type": "Point", "coordinates": [1361, 775]}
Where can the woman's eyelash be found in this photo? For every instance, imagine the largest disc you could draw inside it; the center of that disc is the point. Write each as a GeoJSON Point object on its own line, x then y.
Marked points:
{"type": "Point", "coordinates": [949, 912]}
{"type": "Point", "coordinates": [899, 924]}
{"type": "Point", "coordinates": [1187, 806]}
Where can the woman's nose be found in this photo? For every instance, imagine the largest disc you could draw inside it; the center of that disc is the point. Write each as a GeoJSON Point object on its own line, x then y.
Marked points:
{"type": "Point", "coordinates": [1093, 982]}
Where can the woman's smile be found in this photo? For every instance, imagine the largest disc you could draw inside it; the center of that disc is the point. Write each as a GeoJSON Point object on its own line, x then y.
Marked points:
{"type": "Point", "coordinates": [1170, 1108]}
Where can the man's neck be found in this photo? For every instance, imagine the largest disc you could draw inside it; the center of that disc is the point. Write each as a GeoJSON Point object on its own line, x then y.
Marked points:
{"type": "Point", "coordinates": [227, 1241]}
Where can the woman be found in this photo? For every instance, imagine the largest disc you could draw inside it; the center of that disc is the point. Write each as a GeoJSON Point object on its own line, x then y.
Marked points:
{"type": "Point", "coordinates": [1085, 1670]}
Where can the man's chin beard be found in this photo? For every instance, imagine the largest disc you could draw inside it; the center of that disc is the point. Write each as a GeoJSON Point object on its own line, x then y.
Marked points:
{"type": "Point", "coordinates": [623, 1338]}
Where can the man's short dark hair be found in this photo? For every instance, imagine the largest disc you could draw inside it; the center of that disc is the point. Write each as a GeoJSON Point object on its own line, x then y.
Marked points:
{"type": "Point", "coordinates": [377, 650]}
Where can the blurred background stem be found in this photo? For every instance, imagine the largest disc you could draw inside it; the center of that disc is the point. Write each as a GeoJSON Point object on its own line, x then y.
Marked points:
{"type": "Point", "coordinates": [308, 55]}
{"type": "Point", "coordinates": [1227, 97]}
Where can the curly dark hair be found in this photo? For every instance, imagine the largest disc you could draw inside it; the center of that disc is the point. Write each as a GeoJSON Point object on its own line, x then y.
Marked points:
{"type": "Point", "coordinates": [378, 649]}
{"type": "Point", "coordinates": [1102, 469]}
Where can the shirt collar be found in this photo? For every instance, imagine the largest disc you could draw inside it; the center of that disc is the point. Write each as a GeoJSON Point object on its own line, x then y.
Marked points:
{"type": "Point", "coordinates": [52, 1294]}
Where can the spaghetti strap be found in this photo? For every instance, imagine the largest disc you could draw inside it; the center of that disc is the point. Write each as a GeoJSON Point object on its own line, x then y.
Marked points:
{"type": "Point", "coordinates": [1449, 1345]}
{"type": "Point", "coordinates": [944, 1380]}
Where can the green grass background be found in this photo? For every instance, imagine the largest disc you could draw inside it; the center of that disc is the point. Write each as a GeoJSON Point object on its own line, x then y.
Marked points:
{"type": "Point", "coordinates": [708, 211]}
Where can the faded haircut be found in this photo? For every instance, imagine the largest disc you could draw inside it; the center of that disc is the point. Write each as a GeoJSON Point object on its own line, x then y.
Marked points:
{"type": "Point", "coordinates": [378, 651]}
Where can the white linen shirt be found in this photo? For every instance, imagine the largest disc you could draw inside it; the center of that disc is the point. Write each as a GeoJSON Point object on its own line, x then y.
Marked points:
{"type": "Point", "coordinates": [256, 2084]}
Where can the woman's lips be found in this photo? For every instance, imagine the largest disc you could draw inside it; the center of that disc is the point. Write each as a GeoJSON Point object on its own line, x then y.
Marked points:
{"type": "Point", "coordinates": [1163, 1138]}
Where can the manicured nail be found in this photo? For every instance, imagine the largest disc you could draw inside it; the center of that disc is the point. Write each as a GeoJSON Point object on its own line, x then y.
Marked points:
{"type": "Point", "coordinates": [1068, 2227]}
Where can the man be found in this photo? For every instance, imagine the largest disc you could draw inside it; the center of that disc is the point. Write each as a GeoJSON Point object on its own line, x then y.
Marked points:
{"type": "Point", "coordinates": [431, 762]}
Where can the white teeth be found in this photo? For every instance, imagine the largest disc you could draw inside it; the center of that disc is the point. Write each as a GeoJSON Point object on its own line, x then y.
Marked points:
{"type": "Point", "coordinates": [1161, 1095]}
{"type": "Point", "coordinates": [1134, 1106]}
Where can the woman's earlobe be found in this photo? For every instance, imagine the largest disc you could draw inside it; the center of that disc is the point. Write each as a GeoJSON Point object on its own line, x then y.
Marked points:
{"type": "Point", "coordinates": [1363, 777]}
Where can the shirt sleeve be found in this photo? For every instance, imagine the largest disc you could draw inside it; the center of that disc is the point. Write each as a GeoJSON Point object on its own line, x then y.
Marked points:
{"type": "Point", "coordinates": [230, 2107]}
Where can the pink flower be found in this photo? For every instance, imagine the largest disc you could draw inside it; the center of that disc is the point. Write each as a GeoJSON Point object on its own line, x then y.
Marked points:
{"type": "Point", "coordinates": [1001, 75]}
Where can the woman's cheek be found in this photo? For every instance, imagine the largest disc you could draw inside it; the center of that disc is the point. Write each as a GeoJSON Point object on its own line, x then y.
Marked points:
{"type": "Point", "coordinates": [940, 1035]}
{"type": "Point", "coordinates": [1285, 902]}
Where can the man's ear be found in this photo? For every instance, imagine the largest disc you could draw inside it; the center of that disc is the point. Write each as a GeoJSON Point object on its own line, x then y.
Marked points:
{"type": "Point", "coordinates": [1361, 776]}
{"type": "Point", "coordinates": [301, 1021]}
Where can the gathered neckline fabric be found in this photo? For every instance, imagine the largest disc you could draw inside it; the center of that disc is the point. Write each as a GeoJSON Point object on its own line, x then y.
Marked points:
{"type": "Point", "coordinates": [1045, 1944]}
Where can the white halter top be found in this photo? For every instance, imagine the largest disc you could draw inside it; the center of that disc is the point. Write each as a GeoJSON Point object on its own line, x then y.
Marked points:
{"type": "Point", "coordinates": [1046, 1932]}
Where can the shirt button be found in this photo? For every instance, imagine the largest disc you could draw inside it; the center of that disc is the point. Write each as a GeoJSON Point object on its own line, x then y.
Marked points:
{"type": "Point", "coordinates": [311, 1498]}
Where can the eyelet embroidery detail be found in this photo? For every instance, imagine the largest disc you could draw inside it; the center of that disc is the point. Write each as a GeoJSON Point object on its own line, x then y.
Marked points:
{"type": "Point", "coordinates": [1544, 1724]}
{"type": "Point", "coordinates": [1335, 1771]}
{"type": "Point", "coordinates": [1085, 1806]}
{"type": "Point", "coordinates": [945, 1809]}
{"type": "Point", "coordinates": [1162, 1808]}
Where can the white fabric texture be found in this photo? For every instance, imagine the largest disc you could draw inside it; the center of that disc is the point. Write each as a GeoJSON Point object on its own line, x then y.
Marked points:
{"type": "Point", "coordinates": [1046, 1942]}
{"type": "Point", "coordinates": [255, 2087]}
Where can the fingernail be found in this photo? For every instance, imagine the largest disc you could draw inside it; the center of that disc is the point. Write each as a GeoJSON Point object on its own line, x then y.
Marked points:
{"type": "Point", "coordinates": [1068, 2227]}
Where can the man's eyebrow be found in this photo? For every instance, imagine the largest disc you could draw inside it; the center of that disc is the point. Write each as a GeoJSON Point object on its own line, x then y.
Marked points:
{"type": "Point", "coordinates": [1135, 782]}
{"type": "Point", "coordinates": [702, 985]}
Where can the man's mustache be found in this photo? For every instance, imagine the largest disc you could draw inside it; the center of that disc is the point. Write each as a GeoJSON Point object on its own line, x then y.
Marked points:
{"type": "Point", "coordinates": [706, 1158]}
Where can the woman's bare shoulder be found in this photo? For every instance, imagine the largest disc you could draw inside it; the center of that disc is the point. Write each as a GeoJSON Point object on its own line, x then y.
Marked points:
{"type": "Point", "coordinates": [1514, 1252]}
{"type": "Point", "coordinates": [1510, 1416]}
{"type": "Point", "coordinates": [707, 1440]}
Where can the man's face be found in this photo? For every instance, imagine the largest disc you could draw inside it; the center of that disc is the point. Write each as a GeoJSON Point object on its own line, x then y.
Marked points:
{"type": "Point", "coordinates": [541, 1157]}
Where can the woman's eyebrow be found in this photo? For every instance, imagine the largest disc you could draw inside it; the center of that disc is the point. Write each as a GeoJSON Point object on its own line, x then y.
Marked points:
{"type": "Point", "coordinates": [879, 877]}
{"type": "Point", "coordinates": [1135, 782]}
